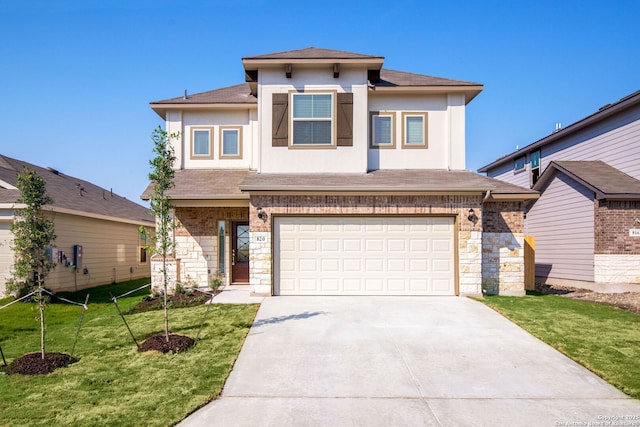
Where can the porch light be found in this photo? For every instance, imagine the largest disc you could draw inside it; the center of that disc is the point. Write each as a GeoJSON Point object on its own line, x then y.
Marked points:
{"type": "Point", "coordinates": [472, 216]}
{"type": "Point", "coordinates": [262, 214]}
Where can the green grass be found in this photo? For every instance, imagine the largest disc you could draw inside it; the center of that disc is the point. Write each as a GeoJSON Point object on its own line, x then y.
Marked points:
{"type": "Point", "coordinates": [604, 339]}
{"type": "Point", "coordinates": [113, 384]}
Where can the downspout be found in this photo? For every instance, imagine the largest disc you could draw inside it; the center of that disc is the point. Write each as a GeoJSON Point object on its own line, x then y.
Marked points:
{"type": "Point", "coordinates": [486, 196]}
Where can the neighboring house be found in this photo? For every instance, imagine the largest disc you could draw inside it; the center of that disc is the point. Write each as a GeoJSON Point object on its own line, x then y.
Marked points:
{"type": "Point", "coordinates": [98, 241]}
{"type": "Point", "coordinates": [587, 220]}
{"type": "Point", "coordinates": [326, 174]}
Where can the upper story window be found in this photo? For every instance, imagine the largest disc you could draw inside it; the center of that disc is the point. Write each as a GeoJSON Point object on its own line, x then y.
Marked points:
{"type": "Point", "coordinates": [312, 119]}
{"type": "Point", "coordinates": [201, 147]}
{"type": "Point", "coordinates": [518, 164]}
{"type": "Point", "coordinates": [230, 142]}
{"type": "Point", "coordinates": [383, 130]}
{"type": "Point", "coordinates": [414, 130]}
{"type": "Point", "coordinates": [535, 167]}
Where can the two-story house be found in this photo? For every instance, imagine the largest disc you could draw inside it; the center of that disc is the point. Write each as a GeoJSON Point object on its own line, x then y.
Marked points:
{"type": "Point", "coordinates": [325, 173]}
{"type": "Point", "coordinates": [587, 220]}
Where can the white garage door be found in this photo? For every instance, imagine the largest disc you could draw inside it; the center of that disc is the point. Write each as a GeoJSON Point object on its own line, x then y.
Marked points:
{"type": "Point", "coordinates": [364, 256]}
{"type": "Point", "coordinates": [6, 254]}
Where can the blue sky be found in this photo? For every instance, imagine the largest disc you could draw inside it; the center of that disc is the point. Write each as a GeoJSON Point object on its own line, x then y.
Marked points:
{"type": "Point", "coordinates": [76, 77]}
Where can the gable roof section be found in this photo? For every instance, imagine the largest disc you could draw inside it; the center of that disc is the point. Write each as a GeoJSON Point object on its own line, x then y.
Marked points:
{"type": "Point", "coordinates": [71, 194]}
{"type": "Point", "coordinates": [603, 113]}
{"type": "Point", "coordinates": [605, 181]}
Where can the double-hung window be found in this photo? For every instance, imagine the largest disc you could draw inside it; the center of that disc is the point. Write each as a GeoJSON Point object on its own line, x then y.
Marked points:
{"type": "Point", "coordinates": [414, 130]}
{"type": "Point", "coordinates": [312, 119]}
{"type": "Point", "coordinates": [201, 147]}
{"type": "Point", "coordinates": [230, 142]}
{"type": "Point", "coordinates": [383, 130]}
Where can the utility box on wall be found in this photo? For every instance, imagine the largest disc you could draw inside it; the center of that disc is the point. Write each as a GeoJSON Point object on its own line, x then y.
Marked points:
{"type": "Point", "coordinates": [77, 256]}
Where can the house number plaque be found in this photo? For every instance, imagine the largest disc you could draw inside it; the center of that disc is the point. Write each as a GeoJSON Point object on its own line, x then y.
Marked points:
{"type": "Point", "coordinates": [634, 232]}
{"type": "Point", "coordinates": [264, 238]}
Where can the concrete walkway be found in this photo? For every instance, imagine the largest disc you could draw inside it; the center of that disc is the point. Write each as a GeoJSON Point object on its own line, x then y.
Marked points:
{"type": "Point", "coordinates": [403, 361]}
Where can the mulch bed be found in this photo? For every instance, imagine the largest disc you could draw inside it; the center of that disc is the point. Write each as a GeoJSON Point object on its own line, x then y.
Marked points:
{"type": "Point", "coordinates": [176, 344]}
{"type": "Point", "coordinates": [629, 301]}
{"type": "Point", "coordinates": [33, 364]}
{"type": "Point", "coordinates": [178, 300]}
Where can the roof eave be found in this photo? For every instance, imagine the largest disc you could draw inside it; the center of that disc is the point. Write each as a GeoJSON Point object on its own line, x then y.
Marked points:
{"type": "Point", "coordinates": [254, 63]}
{"type": "Point", "coordinates": [470, 92]}
{"type": "Point", "coordinates": [162, 108]}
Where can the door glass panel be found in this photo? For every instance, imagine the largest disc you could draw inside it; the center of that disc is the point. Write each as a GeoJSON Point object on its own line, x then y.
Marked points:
{"type": "Point", "coordinates": [242, 243]}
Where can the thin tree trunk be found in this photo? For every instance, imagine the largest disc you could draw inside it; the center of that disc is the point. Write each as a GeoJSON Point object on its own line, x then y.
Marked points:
{"type": "Point", "coordinates": [41, 303]}
{"type": "Point", "coordinates": [166, 308]}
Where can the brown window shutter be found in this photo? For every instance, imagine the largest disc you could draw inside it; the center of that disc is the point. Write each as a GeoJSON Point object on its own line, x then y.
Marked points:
{"type": "Point", "coordinates": [345, 119]}
{"type": "Point", "coordinates": [280, 120]}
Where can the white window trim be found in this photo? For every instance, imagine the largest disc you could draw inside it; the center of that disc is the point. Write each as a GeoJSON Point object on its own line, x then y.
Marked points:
{"type": "Point", "coordinates": [192, 150]}
{"type": "Point", "coordinates": [425, 129]}
{"type": "Point", "coordinates": [292, 120]}
{"type": "Point", "coordinates": [373, 115]}
{"type": "Point", "coordinates": [221, 142]}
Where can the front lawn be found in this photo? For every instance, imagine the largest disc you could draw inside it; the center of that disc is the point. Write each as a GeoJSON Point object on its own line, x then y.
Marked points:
{"type": "Point", "coordinates": [602, 338]}
{"type": "Point", "coordinates": [112, 383]}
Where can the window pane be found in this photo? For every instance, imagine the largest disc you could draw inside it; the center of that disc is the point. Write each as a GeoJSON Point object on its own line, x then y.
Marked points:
{"type": "Point", "coordinates": [414, 132]}
{"type": "Point", "coordinates": [381, 130]}
{"type": "Point", "coordinates": [302, 106]}
{"type": "Point", "coordinates": [535, 159]}
{"type": "Point", "coordinates": [201, 142]}
{"type": "Point", "coordinates": [312, 106]}
{"type": "Point", "coordinates": [312, 132]}
{"type": "Point", "coordinates": [230, 143]}
{"type": "Point", "coordinates": [518, 164]}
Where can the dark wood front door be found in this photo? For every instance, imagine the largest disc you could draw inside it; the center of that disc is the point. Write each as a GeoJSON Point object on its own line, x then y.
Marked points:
{"type": "Point", "coordinates": [240, 253]}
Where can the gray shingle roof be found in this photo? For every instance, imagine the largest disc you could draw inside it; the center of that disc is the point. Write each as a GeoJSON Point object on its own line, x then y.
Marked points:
{"type": "Point", "coordinates": [392, 78]}
{"type": "Point", "coordinates": [72, 193]}
{"type": "Point", "coordinates": [205, 184]}
{"type": "Point", "coordinates": [383, 180]}
{"type": "Point", "coordinates": [238, 94]}
{"type": "Point", "coordinates": [602, 178]}
{"type": "Point", "coordinates": [313, 53]}
{"type": "Point", "coordinates": [230, 184]}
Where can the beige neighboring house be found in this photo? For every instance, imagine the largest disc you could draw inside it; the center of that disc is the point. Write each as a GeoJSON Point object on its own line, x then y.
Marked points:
{"type": "Point", "coordinates": [326, 174]}
{"type": "Point", "coordinates": [98, 239]}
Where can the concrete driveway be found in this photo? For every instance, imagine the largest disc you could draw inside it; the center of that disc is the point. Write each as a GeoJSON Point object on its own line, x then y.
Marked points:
{"type": "Point", "coordinates": [404, 361]}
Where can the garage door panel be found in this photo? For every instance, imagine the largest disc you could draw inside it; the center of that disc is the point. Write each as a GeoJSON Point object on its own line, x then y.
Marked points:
{"type": "Point", "coordinates": [364, 256]}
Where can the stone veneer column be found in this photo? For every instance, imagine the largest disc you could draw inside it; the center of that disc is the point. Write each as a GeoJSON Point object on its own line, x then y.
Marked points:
{"type": "Point", "coordinates": [503, 263]}
{"type": "Point", "coordinates": [470, 262]}
{"type": "Point", "coordinates": [260, 263]}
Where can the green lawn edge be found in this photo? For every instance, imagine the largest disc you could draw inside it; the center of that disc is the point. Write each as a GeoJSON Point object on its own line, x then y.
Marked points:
{"type": "Point", "coordinates": [112, 383]}
{"type": "Point", "coordinates": [602, 338]}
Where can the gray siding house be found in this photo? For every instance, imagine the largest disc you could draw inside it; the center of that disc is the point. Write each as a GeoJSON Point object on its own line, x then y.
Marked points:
{"type": "Point", "coordinates": [587, 219]}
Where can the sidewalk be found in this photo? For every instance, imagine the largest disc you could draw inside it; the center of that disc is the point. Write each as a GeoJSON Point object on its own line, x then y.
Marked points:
{"type": "Point", "coordinates": [236, 294]}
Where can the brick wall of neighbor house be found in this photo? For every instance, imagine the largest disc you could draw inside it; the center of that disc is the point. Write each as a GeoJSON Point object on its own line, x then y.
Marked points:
{"type": "Point", "coordinates": [617, 254]}
{"type": "Point", "coordinates": [196, 238]}
{"type": "Point", "coordinates": [503, 248]}
{"type": "Point", "coordinates": [469, 234]}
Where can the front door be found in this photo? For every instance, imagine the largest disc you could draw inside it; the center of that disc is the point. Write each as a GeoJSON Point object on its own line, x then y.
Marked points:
{"type": "Point", "coordinates": [240, 253]}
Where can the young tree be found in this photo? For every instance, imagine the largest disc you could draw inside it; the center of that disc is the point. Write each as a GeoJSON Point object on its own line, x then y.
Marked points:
{"type": "Point", "coordinates": [33, 233]}
{"type": "Point", "coordinates": [161, 176]}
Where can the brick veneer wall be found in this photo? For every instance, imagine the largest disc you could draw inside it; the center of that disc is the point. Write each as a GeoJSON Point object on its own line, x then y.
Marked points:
{"type": "Point", "coordinates": [613, 219]}
{"type": "Point", "coordinates": [469, 234]}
